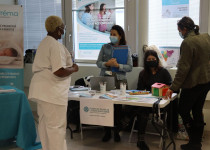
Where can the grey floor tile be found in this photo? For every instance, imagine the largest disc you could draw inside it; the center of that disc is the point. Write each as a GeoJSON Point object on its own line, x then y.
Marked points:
{"type": "Point", "coordinates": [92, 141]}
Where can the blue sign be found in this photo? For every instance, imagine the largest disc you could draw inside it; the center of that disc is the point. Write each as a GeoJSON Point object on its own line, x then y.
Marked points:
{"type": "Point", "coordinates": [174, 2]}
{"type": "Point", "coordinates": [90, 46]}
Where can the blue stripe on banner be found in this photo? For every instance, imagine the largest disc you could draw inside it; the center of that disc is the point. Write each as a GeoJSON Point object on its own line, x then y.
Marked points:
{"type": "Point", "coordinates": [90, 46]}
{"type": "Point", "coordinates": [174, 2]}
{"type": "Point", "coordinates": [12, 77]}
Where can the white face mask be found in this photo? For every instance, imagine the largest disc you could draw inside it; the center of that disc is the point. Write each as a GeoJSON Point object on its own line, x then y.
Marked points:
{"type": "Point", "coordinates": [180, 34]}
{"type": "Point", "coordinates": [113, 39]}
{"type": "Point", "coordinates": [63, 35]}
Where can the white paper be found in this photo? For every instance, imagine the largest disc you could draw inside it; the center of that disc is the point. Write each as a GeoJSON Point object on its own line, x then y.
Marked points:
{"type": "Point", "coordinates": [97, 112]}
{"type": "Point", "coordinates": [7, 91]}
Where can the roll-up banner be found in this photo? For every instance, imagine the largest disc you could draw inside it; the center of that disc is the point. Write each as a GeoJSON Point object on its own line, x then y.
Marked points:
{"type": "Point", "coordinates": [11, 45]}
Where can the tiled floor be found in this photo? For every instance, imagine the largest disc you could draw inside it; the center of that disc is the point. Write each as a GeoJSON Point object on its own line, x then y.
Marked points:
{"type": "Point", "coordinates": [92, 141]}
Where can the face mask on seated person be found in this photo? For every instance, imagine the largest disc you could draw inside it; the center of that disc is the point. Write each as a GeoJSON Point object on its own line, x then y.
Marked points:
{"type": "Point", "coordinates": [113, 39]}
{"type": "Point", "coordinates": [152, 63]}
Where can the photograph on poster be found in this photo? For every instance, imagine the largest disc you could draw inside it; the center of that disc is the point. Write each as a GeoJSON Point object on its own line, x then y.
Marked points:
{"type": "Point", "coordinates": [10, 54]}
{"type": "Point", "coordinates": [98, 15]}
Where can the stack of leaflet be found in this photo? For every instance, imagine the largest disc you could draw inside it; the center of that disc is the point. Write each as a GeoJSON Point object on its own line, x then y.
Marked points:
{"type": "Point", "coordinates": [137, 92]}
{"type": "Point", "coordinates": [7, 90]}
{"type": "Point", "coordinates": [88, 95]}
{"type": "Point", "coordinates": [79, 88]}
{"type": "Point", "coordinates": [108, 96]}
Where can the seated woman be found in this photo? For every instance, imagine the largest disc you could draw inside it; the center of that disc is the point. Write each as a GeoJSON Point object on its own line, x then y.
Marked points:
{"type": "Point", "coordinates": [105, 61]}
{"type": "Point", "coordinates": [152, 72]}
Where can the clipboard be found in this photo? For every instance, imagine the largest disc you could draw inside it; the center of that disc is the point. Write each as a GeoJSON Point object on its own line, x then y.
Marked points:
{"type": "Point", "coordinates": [121, 55]}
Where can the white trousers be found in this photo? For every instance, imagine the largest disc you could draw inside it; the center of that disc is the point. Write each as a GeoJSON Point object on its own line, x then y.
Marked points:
{"type": "Point", "coordinates": [52, 125]}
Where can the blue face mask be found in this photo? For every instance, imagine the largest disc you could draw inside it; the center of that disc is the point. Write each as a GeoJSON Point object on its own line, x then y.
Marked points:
{"type": "Point", "coordinates": [113, 39]}
{"type": "Point", "coordinates": [63, 35]}
{"type": "Point", "coordinates": [180, 34]}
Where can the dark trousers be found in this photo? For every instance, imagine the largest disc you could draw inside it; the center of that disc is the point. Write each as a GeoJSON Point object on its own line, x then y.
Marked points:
{"type": "Point", "coordinates": [117, 119]}
{"type": "Point", "coordinates": [117, 108]}
{"type": "Point", "coordinates": [193, 100]}
{"type": "Point", "coordinates": [142, 119]}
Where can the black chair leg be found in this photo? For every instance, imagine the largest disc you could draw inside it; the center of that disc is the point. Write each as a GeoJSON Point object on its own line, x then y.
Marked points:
{"type": "Point", "coordinates": [71, 131]}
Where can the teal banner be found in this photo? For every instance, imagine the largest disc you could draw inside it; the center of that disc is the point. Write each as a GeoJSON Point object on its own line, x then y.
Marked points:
{"type": "Point", "coordinates": [12, 77]}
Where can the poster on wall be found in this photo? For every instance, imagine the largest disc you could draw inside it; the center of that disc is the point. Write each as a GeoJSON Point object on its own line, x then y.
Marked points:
{"type": "Point", "coordinates": [170, 55]}
{"type": "Point", "coordinates": [175, 8]}
{"type": "Point", "coordinates": [11, 45]}
{"type": "Point", "coordinates": [93, 20]}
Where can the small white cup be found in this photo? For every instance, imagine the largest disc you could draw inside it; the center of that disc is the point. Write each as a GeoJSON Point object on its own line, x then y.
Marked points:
{"type": "Point", "coordinates": [92, 92]}
{"type": "Point", "coordinates": [123, 88]}
{"type": "Point", "coordinates": [103, 87]}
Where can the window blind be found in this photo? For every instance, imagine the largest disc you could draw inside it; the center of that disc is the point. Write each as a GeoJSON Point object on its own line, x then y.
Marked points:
{"type": "Point", "coordinates": [35, 14]}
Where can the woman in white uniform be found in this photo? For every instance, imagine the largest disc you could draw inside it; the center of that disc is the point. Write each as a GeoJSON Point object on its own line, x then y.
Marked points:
{"type": "Point", "coordinates": [49, 86]}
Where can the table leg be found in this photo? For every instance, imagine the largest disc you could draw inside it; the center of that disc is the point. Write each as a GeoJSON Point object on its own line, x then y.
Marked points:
{"type": "Point", "coordinates": [166, 132]}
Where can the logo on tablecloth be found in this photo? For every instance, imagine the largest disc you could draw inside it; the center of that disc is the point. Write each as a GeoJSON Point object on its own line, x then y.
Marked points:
{"type": "Point", "coordinates": [86, 109]}
{"type": "Point", "coordinates": [96, 110]}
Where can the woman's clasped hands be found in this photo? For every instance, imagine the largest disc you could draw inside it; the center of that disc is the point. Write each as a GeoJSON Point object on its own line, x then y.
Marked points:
{"type": "Point", "coordinates": [112, 63]}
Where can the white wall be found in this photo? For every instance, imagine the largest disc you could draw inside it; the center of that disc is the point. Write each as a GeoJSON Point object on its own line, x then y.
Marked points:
{"type": "Point", "coordinates": [209, 20]}
{"type": "Point", "coordinates": [8, 2]}
{"type": "Point", "coordinates": [85, 70]}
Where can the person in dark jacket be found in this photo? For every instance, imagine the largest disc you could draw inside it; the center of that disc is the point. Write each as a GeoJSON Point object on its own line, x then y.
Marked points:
{"type": "Point", "coordinates": [153, 72]}
{"type": "Point", "coordinates": [193, 77]}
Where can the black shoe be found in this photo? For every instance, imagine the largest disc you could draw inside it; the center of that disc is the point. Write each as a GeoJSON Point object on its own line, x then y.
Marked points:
{"type": "Point", "coordinates": [107, 136]}
{"type": "Point", "coordinates": [190, 146]}
{"type": "Point", "coordinates": [117, 137]}
{"type": "Point", "coordinates": [142, 145]}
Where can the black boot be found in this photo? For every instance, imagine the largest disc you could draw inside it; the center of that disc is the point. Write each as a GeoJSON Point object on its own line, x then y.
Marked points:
{"type": "Point", "coordinates": [195, 133]}
{"type": "Point", "coordinates": [107, 135]}
{"type": "Point", "coordinates": [191, 146]}
{"type": "Point", "coordinates": [116, 135]}
{"type": "Point", "coordinates": [188, 128]}
{"type": "Point", "coordinates": [142, 145]}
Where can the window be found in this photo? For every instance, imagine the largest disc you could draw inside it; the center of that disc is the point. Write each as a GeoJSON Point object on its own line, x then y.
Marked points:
{"type": "Point", "coordinates": [163, 31]}
{"type": "Point", "coordinates": [35, 14]}
{"type": "Point", "coordinates": [163, 25]}
{"type": "Point", "coordinates": [91, 27]}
